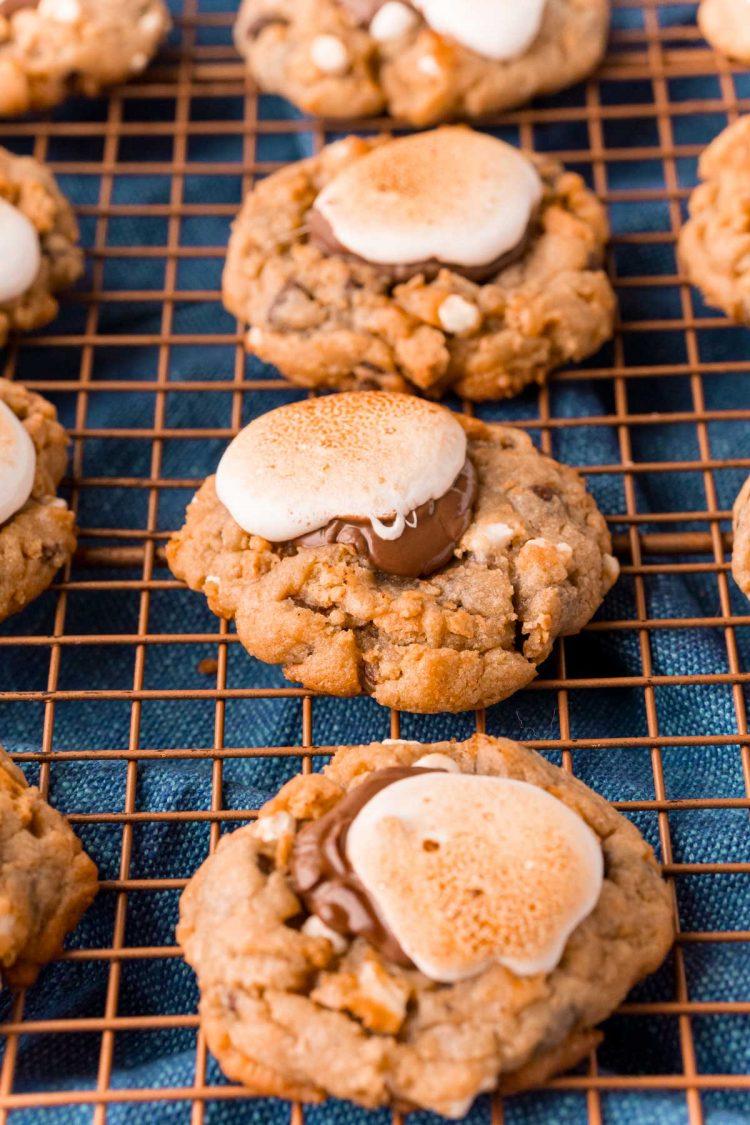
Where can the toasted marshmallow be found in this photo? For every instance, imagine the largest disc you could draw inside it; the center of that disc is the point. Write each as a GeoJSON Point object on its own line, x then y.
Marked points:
{"type": "Point", "coordinates": [17, 464]}
{"type": "Point", "coordinates": [450, 195]}
{"type": "Point", "coordinates": [367, 454]}
{"type": "Point", "coordinates": [496, 29]}
{"type": "Point", "coordinates": [467, 870]}
{"type": "Point", "coordinates": [20, 253]}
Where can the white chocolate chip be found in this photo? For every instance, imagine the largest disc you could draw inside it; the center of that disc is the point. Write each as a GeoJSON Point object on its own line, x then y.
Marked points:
{"type": "Point", "coordinates": [139, 61]}
{"type": "Point", "coordinates": [437, 762]}
{"type": "Point", "coordinates": [610, 570]}
{"type": "Point", "coordinates": [329, 54]}
{"type": "Point", "coordinates": [429, 65]}
{"type": "Point", "coordinates": [401, 742]}
{"type": "Point", "coordinates": [392, 21]}
{"type": "Point", "coordinates": [269, 829]}
{"type": "Point", "coordinates": [457, 315]}
{"type": "Point", "coordinates": [499, 534]}
{"type": "Point", "coordinates": [563, 549]}
{"type": "Point", "coordinates": [255, 338]}
{"type": "Point", "coordinates": [316, 927]}
{"type": "Point", "coordinates": [487, 539]}
{"type": "Point", "coordinates": [60, 11]}
{"type": "Point", "coordinates": [151, 22]}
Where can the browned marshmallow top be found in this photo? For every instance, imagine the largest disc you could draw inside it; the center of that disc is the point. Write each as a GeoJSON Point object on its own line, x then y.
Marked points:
{"type": "Point", "coordinates": [385, 473]}
{"type": "Point", "coordinates": [450, 872]}
{"type": "Point", "coordinates": [322, 236]}
{"type": "Point", "coordinates": [450, 198]}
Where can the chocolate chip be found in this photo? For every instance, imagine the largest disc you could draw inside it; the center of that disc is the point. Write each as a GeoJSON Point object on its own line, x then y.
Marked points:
{"type": "Point", "coordinates": [369, 376]}
{"type": "Point", "coordinates": [51, 553]}
{"type": "Point", "coordinates": [544, 491]}
{"type": "Point", "coordinates": [368, 677]}
{"type": "Point", "coordinates": [265, 863]}
{"type": "Point", "coordinates": [260, 25]}
{"type": "Point", "coordinates": [520, 636]}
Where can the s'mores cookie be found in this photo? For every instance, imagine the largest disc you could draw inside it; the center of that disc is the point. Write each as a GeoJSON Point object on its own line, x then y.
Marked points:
{"type": "Point", "coordinates": [423, 60]}
{"type": "Point", "coordinates": [725, 25]}
{"type": "Point", "coordinates": [419, 924]}
{"type": "Point", "coordinates": [37, 529]}
{"type": "Point", "coordinates": [443, 260]}
{"type": "Point", "coordinates": [38, 241]}
{"type": "Point", "coordinates": [714, 244]}
{"type": "Point", "coordinates": [373, 542]}
{"type": "Point", "coordinates": [46, 879]}
{"type": "Point", "coordinates": [49, 48]}
{"type": "Point", "coordinates": [741, 548]}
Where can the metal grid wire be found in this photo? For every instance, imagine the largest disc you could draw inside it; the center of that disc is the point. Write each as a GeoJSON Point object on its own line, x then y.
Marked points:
{"type": "Point", "coordinates": [171, 695]}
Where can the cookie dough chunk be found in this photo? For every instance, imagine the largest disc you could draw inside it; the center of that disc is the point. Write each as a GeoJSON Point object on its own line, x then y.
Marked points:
{"type": "Point", "coordinates": [425, 61]}
{"type": "Point", "coordinates": [376, 543]}
{"type": "Point", "coordinates": [37, 529]}
{"type": "Point", "coordinates": [49, 48]}
{"type": "Point", "coordinates": [741, 549]}
{"type": "Point", "coordinates": [39, 239]}
{"type": "Point", "coordinates": [714, 244]}
{"type": "Point", "coordinates": [46, 879]}
{"type": "Point", "coordinates": [498, 281]}
{"type": "Point", "coordinates": [373, 937]}
{"type": "Point", "coordinates": [725, 25]}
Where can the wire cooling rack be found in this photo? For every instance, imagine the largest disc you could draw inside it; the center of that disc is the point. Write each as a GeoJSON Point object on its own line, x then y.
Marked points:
{"type": "Point", "coordinates": [142, 718]}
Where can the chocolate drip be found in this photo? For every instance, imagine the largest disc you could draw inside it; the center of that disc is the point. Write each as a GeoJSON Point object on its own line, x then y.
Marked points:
{"type": "Point", "coordinates": [322, 236]}
{"type": "Point", "coordinates": [323, 877]}
{"type": "Point", "coordinates": [426, 543]}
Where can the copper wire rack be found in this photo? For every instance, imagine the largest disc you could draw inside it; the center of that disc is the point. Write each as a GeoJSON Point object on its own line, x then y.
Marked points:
{"type": "Point", "coordinates": [194, 134]}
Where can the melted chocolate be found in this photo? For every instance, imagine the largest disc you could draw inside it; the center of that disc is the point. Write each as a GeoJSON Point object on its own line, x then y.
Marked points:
{"type": "Point", "coordinates": [426, 543]}
{"type": "Point", "coordinates": [322, 875]}
{"type": "Point", "coordinates": [322, 236]}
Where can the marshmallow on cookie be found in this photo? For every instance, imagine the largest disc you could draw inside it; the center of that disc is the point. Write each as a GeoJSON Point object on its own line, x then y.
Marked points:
{"type": "Point", "coordinates": [452, 198]}
{"type": "Point", "coordinates": [20, 253]}
{"type": "Point", "coordinates": [450, 872]}
{"type": "Point", "coordinates": [494, 29]}
{"type": "Point", "coordinates": [386, 473]}
{"type": "Point", "coordinates": [17, 464]}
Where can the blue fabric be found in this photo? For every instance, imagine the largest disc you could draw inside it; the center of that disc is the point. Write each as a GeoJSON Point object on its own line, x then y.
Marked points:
{"type": "Point", "coordinates": [715, 971]}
